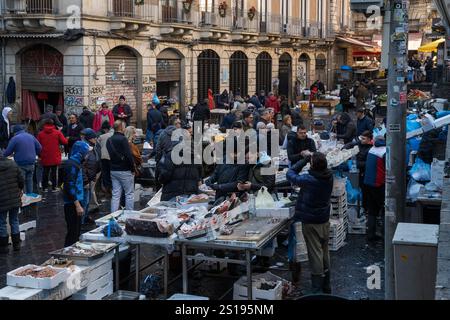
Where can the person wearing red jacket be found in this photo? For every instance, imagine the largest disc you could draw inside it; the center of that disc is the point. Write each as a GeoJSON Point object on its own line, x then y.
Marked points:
{"type": "Point", "coordinates": [103, 115]}
{"type": "Point", "coordinates": [50, 138]}
{"type": "Point", "coordinates": [272, 102]}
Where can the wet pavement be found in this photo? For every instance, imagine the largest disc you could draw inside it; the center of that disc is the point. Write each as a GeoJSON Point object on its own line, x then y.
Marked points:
{"type": "Point", "coordinates": [348, 265]}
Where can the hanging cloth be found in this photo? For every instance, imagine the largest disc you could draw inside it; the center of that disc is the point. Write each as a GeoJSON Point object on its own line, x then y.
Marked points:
{"type": "Point", "coordinates": [30, 107]}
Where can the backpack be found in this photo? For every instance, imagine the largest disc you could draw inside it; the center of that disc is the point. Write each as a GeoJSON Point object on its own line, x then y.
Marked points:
{"type": "Point", "coordinates": [164, 169]}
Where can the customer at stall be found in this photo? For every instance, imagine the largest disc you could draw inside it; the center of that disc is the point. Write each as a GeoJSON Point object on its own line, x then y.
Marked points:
{"type": "Point", "coordinates": [344, 95]}
{"type": "Point", "coordinates": [365, 144]}
{"type": "Point", "coordinates": [273, 103]}
{"type": "Point", "coordinates": [223, 102]}
{"type": "Point", "coordinates": [344, 128]}
{"type": "Point", "coordinates": [102, 116]}
{"type": "Point", "coordinates": [50, 139]}
{"type": "Point", "coordinates": [74, 191]}
{"type": "Point", "coordinates": [262, 99]}
{"type": "Point", "coordinates": [91, 167]}
{"type": "Point", "coordinates": [25, 148]}
{"type": "Point", "coordinates": [130, 134]}
{"type": "Point", "coordinates": [202, 113]}
{"type": "Point", "coordinates": [297, 119]}
{"type": "Point", "coordinates": [87, 118]}
{"type": "Point", "coordinates": [49, 115]}
{"type": "Point", "coordinates": [122, 167]}
{"type": "Point", "coordinates": [155, 123]}
{"type": "Point", "coordinates": [299, 145]}
{"type": "Point", "coordinates": [11, 186]}
{"type": "Point", "coordinates": [105, 158]}
{"type": "Point", "coordinates": [62, 118]}
{"type": "Point", "coordinates": [313, 211]}
{"type": "Point", "coordinates": [179, 179]}
{"type": "Point", "coordinates": [73, 131]}
{"type": "Point", "coordinates": [5, 128]}
{"type": "Point", "coordinates": [122, 111]}
{"type": "Point", "coordinates": [165, 139]}
{"type": "Point", "coordinates": [257, 178]}
{"type": "Point", "coordinates": [285, 109]}
{"type": "Point", "coordinates": [286, 128]}
{"type": "Point", "coordinates": [229, 119]}
{"type": "Point", "coordinates": [374, 181]}
{"type": "Point", "coordinates": [361, 94]}
{"type": "Point", "coordinates": [247, 121]}
{"type": "Point", "coordinates": [364, 123]}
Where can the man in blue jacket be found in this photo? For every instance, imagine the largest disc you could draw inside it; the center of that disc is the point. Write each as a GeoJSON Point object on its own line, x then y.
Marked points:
{"type": "Point", "coordinates": [25, 148]}
{"type": "Point", "coordinates": [73, 190]}
{"type": "Point", "coordinates": [313, 211]}
{"type": "Point", "coordinates": [364, 123]}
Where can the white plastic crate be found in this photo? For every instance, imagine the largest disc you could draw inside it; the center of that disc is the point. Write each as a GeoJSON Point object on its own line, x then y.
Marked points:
{"type": "Point", "coordinates": [284, 213]}
{"type": "Point", "coordinates": [96, 290]}
{"type": "Point", "coordinates": [36, 283]}
{"type": "Point", "coordinates": [240, 290]}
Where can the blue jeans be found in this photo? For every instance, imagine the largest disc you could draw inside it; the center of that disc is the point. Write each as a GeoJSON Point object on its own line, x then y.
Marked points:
{"type": "Point", "coordinates": [122, 181]}
{"type": "Point", "coordinates": [13, 222]}
{"type": "Point", "coordinates": [86, 201]}
{"type": "Point", "coordinates": [292, 243]}
{"type": "Point", "coordinates": [28, 173]}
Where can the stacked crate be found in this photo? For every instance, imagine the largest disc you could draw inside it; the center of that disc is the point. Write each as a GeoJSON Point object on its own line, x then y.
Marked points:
{"type": "Point", "coordinates": [339, 205]}
{"type": "Point", "coordinates": [337, 234]}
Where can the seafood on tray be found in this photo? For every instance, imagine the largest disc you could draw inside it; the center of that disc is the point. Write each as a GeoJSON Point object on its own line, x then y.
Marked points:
{"type": "Point", "coordinates": [37, 272]}
{"type": "Point", "coordinates": [197, 198]}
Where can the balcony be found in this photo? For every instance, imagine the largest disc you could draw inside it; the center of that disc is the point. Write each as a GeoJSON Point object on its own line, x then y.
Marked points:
{"type": "Point", "coordinates": [175, 20]}
{"type": "Point", "coordinates": [127, 16]}
{"type": "Point", "coordinates": [29, 15]}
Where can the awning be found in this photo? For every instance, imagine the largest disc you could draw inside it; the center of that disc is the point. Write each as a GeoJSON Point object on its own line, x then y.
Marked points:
{"type": "Point", "coordinates": [354, 42]}
{"type": "Point", "coordinates": [414, 41]}
{"type": "Point", "coordinates": [431, 47]}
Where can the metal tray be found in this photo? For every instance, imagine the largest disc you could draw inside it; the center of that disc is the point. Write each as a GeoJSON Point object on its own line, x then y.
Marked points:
{"type": "Point", "coordinates": [80, 259]}
{"type": "Point", "coordinates": [123, 295]}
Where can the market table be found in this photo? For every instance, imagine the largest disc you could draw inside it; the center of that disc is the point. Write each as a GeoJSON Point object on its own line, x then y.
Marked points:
{"type": "Point", "coordinates": [329, 104]}
{"type": "Point", "coordinates": [218, 115]}
{"type": "Point", "coordinates": [254, 244]}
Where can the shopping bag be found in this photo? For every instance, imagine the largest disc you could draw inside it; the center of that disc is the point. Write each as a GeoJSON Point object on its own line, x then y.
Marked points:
{"type": "Point", "coordinates": [264, 199]}
{"type": "Point", "coordinates": [420, 171]}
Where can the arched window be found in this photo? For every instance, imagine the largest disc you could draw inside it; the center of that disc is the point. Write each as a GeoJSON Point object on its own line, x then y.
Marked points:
{"type": "Point", "coordinates": [208, 73]}
{"type": "Point", "coordinates": [264, 72]}
{"type": "Point", "coordinates": [239, 73]}
{"type": "Point", "coordinates": [285, 75]}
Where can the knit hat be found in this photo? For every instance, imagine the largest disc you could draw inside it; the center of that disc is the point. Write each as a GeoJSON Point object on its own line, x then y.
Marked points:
{"type": "Point", "coordinates": [89, 133]}
{"type": "Point", "coordinates": [122, 97]}
{"type": "Point", "coordinates": [18, 127]}
{"type": "Point", "coordinates": [106, 125]}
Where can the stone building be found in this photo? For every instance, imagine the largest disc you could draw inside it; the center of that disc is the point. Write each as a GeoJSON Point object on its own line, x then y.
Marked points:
{"type": "Point", "coordinates": [79, 52]}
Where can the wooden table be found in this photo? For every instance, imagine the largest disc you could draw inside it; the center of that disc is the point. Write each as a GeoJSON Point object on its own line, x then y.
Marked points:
{"type": "Point", "coordinates": [329, 104]}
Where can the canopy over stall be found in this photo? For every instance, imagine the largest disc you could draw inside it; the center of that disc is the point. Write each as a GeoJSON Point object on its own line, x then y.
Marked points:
{"type": "Point", "coordinates": [432, 46]}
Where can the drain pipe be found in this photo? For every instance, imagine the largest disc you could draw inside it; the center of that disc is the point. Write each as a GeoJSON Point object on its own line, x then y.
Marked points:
{"type": "Point", "coordinates": [3, 70]}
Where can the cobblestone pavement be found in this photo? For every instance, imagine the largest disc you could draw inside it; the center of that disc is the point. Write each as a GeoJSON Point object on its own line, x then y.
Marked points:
{"type": "Point", "coordinates": [349, 275]}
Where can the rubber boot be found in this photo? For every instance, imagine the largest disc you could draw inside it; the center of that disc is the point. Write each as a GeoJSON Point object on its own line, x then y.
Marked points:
{"type": "Point", "coordinates": [317, 284]}
{"type": "Point", "coordinates": [16, 241]}
{"type": "Point", "coordinates": [4, 243]}
{"type": "Point", "coordinates": [326, 283]}
{"type": "Point", "coordinates": [296, 270]}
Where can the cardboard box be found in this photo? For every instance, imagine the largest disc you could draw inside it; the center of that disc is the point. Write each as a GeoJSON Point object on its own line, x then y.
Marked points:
{"type": "Point", "coordinates": [240, 290]}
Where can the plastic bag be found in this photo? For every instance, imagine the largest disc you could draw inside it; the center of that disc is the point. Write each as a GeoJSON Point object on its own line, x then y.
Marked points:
{"type": "Point", "coordinates": [437, 173]}
{"type": "Point", "coordinates": [352, 194]}
{"type": "Point", "coordinates": [420, 171]}
{"type": "Point", "coordinates": [413, 190]}
{"type": "Point", "coordinates": [264, 199]}
{"type": "Point", "coordinates": [412, 125]}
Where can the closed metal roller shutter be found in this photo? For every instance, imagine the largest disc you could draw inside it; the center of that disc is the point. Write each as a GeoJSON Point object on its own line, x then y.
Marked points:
{"type": "Point", "coordinates": [239, 73]}
{"type": "Point", "coordinates": [122, 78]}
{"type": "Point", "coordinates": [42, 69]}
{"type": "Point", "coordinates": [208, 74]}
{"type": "Point", "coordinates": [264, 72]}
{"type": "Point", "coordinates": [285, 72]}
{"type": "Point", "coordinates": [168, 67]}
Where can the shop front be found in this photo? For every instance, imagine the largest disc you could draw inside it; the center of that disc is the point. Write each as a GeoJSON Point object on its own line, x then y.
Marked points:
{"type": "Point", "coordinates": [41, 80]}
{"type": "Point", "coordinates": [168, 75]}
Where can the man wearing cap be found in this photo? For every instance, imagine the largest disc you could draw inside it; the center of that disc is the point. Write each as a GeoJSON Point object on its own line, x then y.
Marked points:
{"type": "Point", "coordinates": [91, 167]}
{"type": "Point", "coordinates": [25, 148]}
{"type": "Point", "coordinates": [87, 118]}
{"type": "Point", "coordinates": [154, 123]}
{"type": "Point", "coordinates": [122, 111]}
{"type": "Point", "coordinates": [50, 115]}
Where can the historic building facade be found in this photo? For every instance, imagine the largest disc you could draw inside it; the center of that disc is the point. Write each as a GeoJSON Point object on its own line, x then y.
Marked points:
{"type": "Point", "coordinates": [78, 52]}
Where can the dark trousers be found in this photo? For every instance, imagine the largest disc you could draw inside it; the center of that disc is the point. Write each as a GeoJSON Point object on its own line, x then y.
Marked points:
{"type": "Point", "coordinates": [375, 200]}
{"type": "Point", "coordinates": [73, 221]}
{"type": "Point", "coordinates": [106, 174]}
{"type": "Point", "coordinates": [52, 170]}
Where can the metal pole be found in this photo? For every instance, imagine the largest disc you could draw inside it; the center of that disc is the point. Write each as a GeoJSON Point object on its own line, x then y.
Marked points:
{"type": "Point", "coordinates": [396, 133]}
{"type": "Point", "coordinates": [184, 268]}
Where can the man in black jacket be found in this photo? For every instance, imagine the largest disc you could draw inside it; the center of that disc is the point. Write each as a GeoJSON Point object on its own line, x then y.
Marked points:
{"type": "Point", "coordinates": [313, 211]}
{"type": "Point", "coordinates": [165, 142]}
{"type": "Point", "coordinates": [122, 111]}
{"type": "Point", "coordinates": [344, 128]}
{"type": "Point", "coordinates": [49, 115]}
{"type": "Point", "coordinates": [11, 190]}
{"type": "Point", "coordinates": [122, 168]}
{"type": "Point", "coordinates": [87, 118]}
{"type": "Point", "coordinates": [364, 123]}
{"type": "Point", "coordinates": [63, 119]}
{"type": "Point", "coordinates": [299, 145]}
{"type": "Point", "coordinates": [201, 112]}
{"type": "Point", "coordinates": [154, 123]}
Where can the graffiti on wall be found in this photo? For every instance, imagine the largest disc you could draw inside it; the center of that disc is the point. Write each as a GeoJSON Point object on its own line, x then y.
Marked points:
{"type": "Point", "coordinates": [73, 91]}
{"type": "Point", "coordinates": [73, 101]}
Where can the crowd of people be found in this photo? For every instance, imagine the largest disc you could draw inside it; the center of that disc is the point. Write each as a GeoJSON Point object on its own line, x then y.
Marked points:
{"type": "Point", "coordinates": [420, 70]}
{"type": "Point", "coordinates": [101, 151]}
